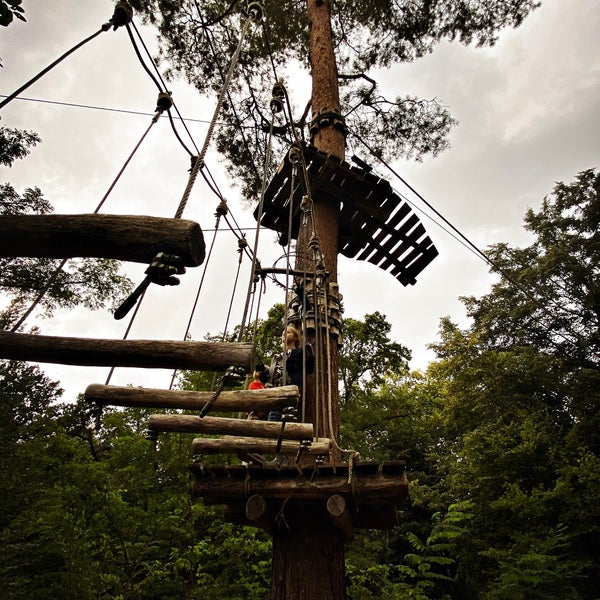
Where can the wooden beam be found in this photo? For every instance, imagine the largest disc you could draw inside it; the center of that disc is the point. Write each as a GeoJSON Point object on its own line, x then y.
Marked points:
{"type": "Point", "coordinates": [228, 401]}
{"type": "Point", "coordinates": [226, 426]}
{"type": "Point", "coordinates": [233, 444]}
{"type": "Point", "coordinates": [153, 354]}
{"type": "Point", "coordinates": [340, 515]}
{"type": "Point", "coordinates": [378, 487]}
{"type": "Point", "coordinates": [124, 237]}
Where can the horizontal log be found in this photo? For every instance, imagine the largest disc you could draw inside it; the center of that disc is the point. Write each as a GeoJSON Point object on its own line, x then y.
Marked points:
{"type": "Point", "coordinates": [233, 444]}
{"type": "Point", "coordinates": [225, 426]}
{"type": "Point", "coordinates": [124, 237]}
{"type": "Point", "coordinates": [153, 354]}
{"type": "Point", "coordinates": [228, 401]}
{"type": "Point", "coordinates": [380, 488]}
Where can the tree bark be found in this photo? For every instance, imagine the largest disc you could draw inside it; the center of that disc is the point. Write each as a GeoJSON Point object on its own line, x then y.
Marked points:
{"type": "Point", "coordinates": [308, 553]}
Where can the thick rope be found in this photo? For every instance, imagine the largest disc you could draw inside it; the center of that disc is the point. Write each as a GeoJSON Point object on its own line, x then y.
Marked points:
{"type": "Point", "coordinates": [200, 286]}
{"type": "Point", "coordinates": [199, 162]}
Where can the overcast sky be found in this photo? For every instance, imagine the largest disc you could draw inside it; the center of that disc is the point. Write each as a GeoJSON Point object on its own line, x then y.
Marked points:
{"type": "Point", "coordinates": [528, 117]}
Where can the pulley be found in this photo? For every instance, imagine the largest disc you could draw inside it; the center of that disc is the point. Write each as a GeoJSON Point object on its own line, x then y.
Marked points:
{"type": "Point", "coordinates": [164, 102]}
{"type": "Point", "coordinates": [122, 15]}
{"type": "Point", "coordinates": [290, 414]}
{"type": "Point", "coordinates": [277, 98]}
{"type": "Point", "coordinates": [255, 12]}
{"type": "Point", "coordinates": [295, 155]}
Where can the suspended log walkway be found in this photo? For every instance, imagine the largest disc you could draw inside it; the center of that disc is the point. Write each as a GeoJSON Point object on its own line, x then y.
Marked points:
{"type": "Point", "coordinates": [123, 237]}
{"type": "Point", "coordinates": [227, 401]}
{"type": "Point", "coordinates": [151, 354]}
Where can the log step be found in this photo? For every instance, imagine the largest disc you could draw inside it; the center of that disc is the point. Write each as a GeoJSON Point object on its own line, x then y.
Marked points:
{"type": "Point", "coordinates": [123, 237]}
{"type": "Point", "coordinates": [228, 401]}
{"type": "Point", "coordinates": [153, 354]}
{"type": "Point", "coordinates": [227, 426]}
{"type": "Point", "coordinates": [232, 445]}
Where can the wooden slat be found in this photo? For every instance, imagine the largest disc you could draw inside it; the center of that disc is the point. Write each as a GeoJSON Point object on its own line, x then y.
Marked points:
{"type": "Point", "coordinates": [153, 354]}
{"type": "Point", "coordinates": [228, 401]}
{"type": "Point", "coordinates": [124, 237]}
{"type": "Point", "coordinates": [234, 444]}
{"type": "Point", "coordinates": [225, 426]}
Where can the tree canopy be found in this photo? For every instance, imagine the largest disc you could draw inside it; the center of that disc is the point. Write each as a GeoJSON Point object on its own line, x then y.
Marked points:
{"type": "Point", "coordinates": [196, 40]}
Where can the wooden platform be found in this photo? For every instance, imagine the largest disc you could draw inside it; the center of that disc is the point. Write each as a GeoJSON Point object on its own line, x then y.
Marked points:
{"type": "Point", "coordinates": [371, 495]}
{"type": "Point", "coordinates": [376, 225]}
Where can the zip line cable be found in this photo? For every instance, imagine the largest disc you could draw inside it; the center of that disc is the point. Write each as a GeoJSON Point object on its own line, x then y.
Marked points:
{"type": "Point", "coordinates": [122, 16]}
{"type": "Point", "coordinates": [478, 252]}
{"type": "Point", "coordinates": [104, 108]}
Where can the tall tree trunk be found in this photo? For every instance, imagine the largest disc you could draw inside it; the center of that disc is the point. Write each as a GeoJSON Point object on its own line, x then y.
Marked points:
{"type": "Point", "coordinates": [308, 551]}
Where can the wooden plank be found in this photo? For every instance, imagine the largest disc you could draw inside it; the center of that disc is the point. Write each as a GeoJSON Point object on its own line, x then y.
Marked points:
{"type": "Point", "coordinates": [152, 354]}
{"type": "Point", "coordinates": [226, 426]}
{"type": "Point", "coordinates": [234, 444]}
{"type": "Point", "coordinates": [228, 401]}
{"type": "Point", "coordinates": [132, 238]}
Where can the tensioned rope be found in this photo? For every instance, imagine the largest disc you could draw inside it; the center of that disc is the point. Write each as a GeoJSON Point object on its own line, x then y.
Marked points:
{"type": "Point", "coordinates": [62, 264]}
{"type": "Point", "coordinates": [254, 16]}
{"type": "Point", "coordinates": [122, 15]}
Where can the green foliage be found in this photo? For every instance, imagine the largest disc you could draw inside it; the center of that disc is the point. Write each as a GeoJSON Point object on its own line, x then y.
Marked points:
{"type": "Point", "coordinates": [15, 143]}
{"type": "Point", "coordinates": [9, 9]}
{"type": "Point", "coordinates": [368, 355]}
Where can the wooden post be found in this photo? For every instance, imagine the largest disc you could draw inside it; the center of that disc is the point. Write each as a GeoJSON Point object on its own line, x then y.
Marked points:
{"type": "Point", "coordinates": [308, 558]}
{"type": "Point", "coordinates": [257, 510]}
{"type": "Point", "coordinates": [151, 354]}
{"type": "Point", "coordinates": [233, 445]}
{"type": "Point", "coordinates": [123, 237]}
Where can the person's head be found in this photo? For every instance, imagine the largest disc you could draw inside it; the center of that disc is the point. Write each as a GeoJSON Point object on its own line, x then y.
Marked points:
{"type": "Point", "coordinates": [291, 337]}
